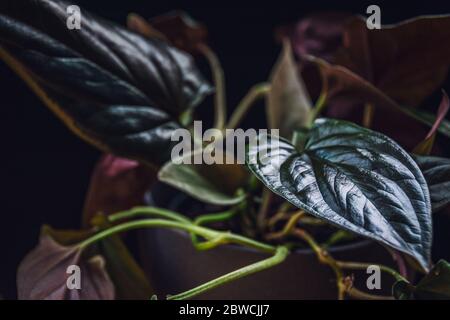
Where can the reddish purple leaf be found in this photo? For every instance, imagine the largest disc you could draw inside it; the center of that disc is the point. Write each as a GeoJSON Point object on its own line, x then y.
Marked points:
{"type": "Point", "coordinates": [117, 184]}
{"type": "Point", "coordinates": [176, 27]}
{"type": "Point", "coordinates": [43, 274]}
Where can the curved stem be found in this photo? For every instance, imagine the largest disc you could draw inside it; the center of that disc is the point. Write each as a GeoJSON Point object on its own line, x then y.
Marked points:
{"type": "Point", "coordinates": [211, 218]}
{"type": "Point", "coordinates": [325, 258]}
{"type": "Point", "coordinates": [361, 295]}
{"type": "Point", "coordinates": [363, 266]}
{"type": "Point", "coordinates": [288, 227]}
{"type": "Point", "coordinates": [337, 267]}
{"type": "Point", "coordinates": [279, 256]}
{"type": "Point", "coordinates": [215, 217]}
{"type": "Point", "coordinates": [189, 227]}
{"type": "Point", "coordinates": [220, 104]}
{"type": "Point", "coordinates": [146, 212]}
{"type": "Point", "coordinates": [256, 92]}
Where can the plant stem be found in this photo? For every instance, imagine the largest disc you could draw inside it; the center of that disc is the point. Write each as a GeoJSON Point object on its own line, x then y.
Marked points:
{"type": "Point", "coordinates": [147, 211]}
{"type": "Point", "coordinates": [215, 217]}
{"type": "Point", "coordinates": [256, 92]}
{"type": "Point", "coordinates": [201, 231]}
{"type": "Point", "coordinates": [358, 294]}
{"type": "Point", "coordinates": [325, 258]}
{"type": "Point", "coordinates": [220, 104]}
{"type": "Point", "coordinates": [279, 256]}
{"type": "Point", "coordinates": [321, 101]}
{"type": "Point", "coordinates": [289, 226]}
{"type": "Point", "coordinates": [363, 266]}
{"type": "Point", "coordinates": [337, 267]}
{"type": "Point", "coordinates": [368, 115]}
{"type": "Point", "coordinates": [211, 218]}
{"type": "Point", "coordinates": [261, 217]}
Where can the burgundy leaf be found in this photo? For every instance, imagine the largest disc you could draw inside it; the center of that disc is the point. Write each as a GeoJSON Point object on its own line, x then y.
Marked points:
{"type": "Point", "coordinates": [318, 34]}
{"type": "Point", "coordinates": [43, 274]}
{"type": "Point", "coordinates": [407, 61]}
{"type": "Point", "coordinates": [117, 184]}
{"type": "Point", "coordinates": [181, 30]}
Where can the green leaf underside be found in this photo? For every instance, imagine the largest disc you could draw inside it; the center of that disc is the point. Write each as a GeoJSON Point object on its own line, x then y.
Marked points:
{"type": "Point", "coordinates": [436, 171]}
{"type": "Point", "coordinates": [215, 183]}
{"type": "Point", "coordinates": [354, 178]}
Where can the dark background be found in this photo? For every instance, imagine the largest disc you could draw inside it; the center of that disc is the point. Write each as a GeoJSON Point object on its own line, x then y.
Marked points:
{"type": "Point", "coordinates": [46, 169]}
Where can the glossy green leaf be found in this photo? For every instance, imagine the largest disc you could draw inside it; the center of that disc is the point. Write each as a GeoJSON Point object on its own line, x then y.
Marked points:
{"type": "Point", "coordinates": [288, 102]}
{"type": "Point", "coordinates": [434, 286]}
{"type": "Point", "coordinates": [436, 171]}
{"type": "Point", "coordinates": [114, 88]}
{"type": "Point", "coordinates": [355, 178]}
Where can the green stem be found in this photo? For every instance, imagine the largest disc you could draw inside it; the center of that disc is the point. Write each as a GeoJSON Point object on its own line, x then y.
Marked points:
{"type": "Point", "coordinates": [189, 227]}
{"type": "Point", "coordinates": [321, 101]}
{"type": "Point", "coordinates": [215, 217]}
{"type": "Point", "coordinates": [147, 211]}
{"type": "Point", "coordinates": [211, 218]}
{"type": "Point", "coordinates": [256, 92]}
{"type": "Point", "coordinates": [280, 255]}
{"type": "Point", "coordinates": [363, 266]}
{"type": "Point", "coordinates": [220, 104]}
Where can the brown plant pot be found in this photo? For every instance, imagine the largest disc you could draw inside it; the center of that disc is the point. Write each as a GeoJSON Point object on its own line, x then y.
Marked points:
{"type": "Point", "coordinates": [173, 265]}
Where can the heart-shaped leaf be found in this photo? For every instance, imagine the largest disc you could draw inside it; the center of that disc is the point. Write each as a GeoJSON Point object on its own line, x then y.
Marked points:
{"type": "Point", "coordinates": [434, 286]}
{"type": "Point", "coordinates": [288, 102]}
{"type": "Point", "coordinates": [436, 171]}
{"type": "Point", "coordinates": [116, 89]}
{"type": "Point", "coordinates": [43, 274]}
{"type": "Point", "coordinates": [355, 178]}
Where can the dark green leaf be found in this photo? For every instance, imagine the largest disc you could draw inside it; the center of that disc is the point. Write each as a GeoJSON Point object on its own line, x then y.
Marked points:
{"type": "Point", "coordinates": [434, 286]}
{"type": "Point", "coordinates": [355, 178]}
{"type": "Point", "coordinates": [116, 89]}
{"type": "Point", "coordinates": [436, 171]}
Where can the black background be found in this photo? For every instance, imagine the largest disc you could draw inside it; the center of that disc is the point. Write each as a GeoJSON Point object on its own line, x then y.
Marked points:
{"type": "Point", "coordinates": [46, 169]}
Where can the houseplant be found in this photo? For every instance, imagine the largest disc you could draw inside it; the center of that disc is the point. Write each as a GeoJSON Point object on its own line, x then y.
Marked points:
{"type": "Point", "coordinates": [127, 92]}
